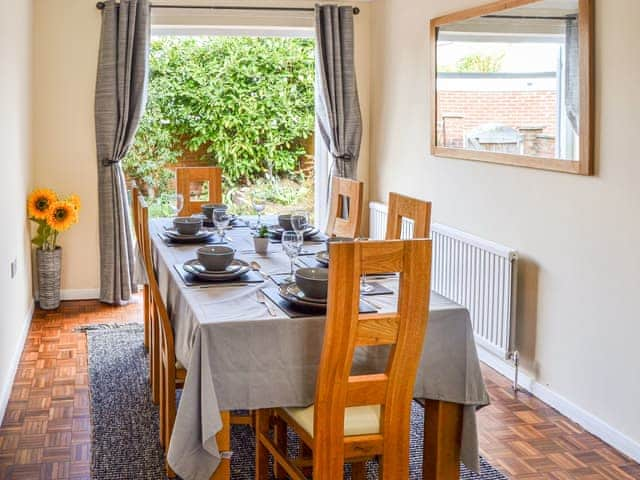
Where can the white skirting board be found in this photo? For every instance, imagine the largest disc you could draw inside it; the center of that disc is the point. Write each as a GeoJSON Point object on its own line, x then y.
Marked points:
{"type": "Point", "coordinates": [80, 294]}
{"type": "Point", "coordinates": [587, 420]}
{"type": "Point", "coordinates": [5, 391]}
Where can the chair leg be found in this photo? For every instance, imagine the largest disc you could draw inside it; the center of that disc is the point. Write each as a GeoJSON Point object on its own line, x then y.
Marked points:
{"type": "Point", "coordinates": [145, 304]}
{"type": "Point", "coordinates": [394, 461]}
{"type": "Point", "coordinates": [170, 417]}
{"type": "Point", "coordinates": [359, 471]}
{"type": "Point", "coordinates": [262, 454]}
{"type": "Point", "coordinates": [154, 358]}
{"type": "Point", "coordinates": [162, 405]}
{"type": "Point", "coordinates": [280, 437]}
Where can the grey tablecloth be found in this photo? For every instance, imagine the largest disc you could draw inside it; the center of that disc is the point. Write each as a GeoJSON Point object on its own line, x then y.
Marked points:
{"type": "Point", "coordinates": [239, 357]}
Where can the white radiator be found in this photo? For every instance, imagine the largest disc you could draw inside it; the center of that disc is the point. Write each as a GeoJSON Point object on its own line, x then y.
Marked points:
{"type": "Point", "coordinates": [476, 273]}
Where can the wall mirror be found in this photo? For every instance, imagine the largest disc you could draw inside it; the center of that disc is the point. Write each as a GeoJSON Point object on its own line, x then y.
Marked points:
{"type": "Point", "coordinates": [512, 83]}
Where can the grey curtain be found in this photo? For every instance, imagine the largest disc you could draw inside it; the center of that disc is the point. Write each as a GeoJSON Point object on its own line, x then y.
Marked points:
{"type": "Point", "coordinates": [337, 106]}
{"type": "Point", "coordinates": [572, 71]}
{"type": "Point", "coordinates": [119, 103]}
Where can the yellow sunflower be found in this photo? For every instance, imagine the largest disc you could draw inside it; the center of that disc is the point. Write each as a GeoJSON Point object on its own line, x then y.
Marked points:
{"type": "Point", "coordinates": [39, 203]}
{"type": "Point", "coordinates": [75, 201]}
{"type": "Point", "coordinates": [62, 215]}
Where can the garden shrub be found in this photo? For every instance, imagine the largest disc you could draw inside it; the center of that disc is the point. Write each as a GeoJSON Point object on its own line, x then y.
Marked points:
{"type": "Point", "coordinates": [249, 101]}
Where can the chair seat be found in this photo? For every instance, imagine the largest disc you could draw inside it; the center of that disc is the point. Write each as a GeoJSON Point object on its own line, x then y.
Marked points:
{"type": "Point", "coordinates": [357, 420]}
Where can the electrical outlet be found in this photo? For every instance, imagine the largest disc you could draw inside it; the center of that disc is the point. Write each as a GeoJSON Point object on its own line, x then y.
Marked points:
{"type": "Point", "coordinates": [14, 267]}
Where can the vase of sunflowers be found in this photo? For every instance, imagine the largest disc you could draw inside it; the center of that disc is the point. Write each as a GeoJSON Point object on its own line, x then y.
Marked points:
{"type": "Point", "coordinates": [52, 215]}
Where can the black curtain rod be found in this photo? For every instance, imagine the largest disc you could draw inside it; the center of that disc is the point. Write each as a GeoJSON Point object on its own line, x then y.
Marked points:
{"type": "Point", "coordinates": [529, 17]}
{"type": "Point", "coordinates": [356, 10]}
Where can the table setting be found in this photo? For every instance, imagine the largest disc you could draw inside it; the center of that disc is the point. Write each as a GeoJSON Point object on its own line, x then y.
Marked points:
{"type": "Point", "coordinates": [248, 327]}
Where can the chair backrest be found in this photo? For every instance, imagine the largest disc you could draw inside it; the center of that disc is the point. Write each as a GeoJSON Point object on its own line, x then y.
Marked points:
{"type": "Point", "coordinates": [186, 176]}
{"type": "Point", "coordinates": [157, 309]}
{"type": "Point", "coordinates": [406, 207]}
{"type": "Point", "coordinates": [345, 223]}
{"type": "Point", "coordinates": [346, 329]}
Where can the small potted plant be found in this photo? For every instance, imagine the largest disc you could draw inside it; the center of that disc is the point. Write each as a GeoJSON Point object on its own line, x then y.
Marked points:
{"type": "Point", "coordinates": [261, 239]}
{"type": "Point", "coordinates": [53, 215]}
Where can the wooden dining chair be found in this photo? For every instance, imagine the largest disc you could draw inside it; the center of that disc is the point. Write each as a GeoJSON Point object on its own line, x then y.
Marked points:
{"type": "Point", "coordinates": [357, 417]}
{"type": "Point", "coordinates": [144, 245]}
{"type": "Point", "coordinates": [345, 222]}
{"type": "Point", "coordinates": [172, 374]}
{"type": "Point", "coordinates": [401, 207]}
{"type": "Point", "coordinates": [135, 192]}
{"type": "Point", "coordinates": [187, 176]}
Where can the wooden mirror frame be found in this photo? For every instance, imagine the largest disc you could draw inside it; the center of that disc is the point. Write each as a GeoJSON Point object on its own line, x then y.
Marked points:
{"type": "Point", "coordinates": [585, 164]}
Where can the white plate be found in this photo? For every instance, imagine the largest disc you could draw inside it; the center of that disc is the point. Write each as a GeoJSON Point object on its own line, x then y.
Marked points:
{"type": "Point", "coordinates": [293, 294]}
{"type": "Point", "coordinates": [175, 235]}
{"type": "Point", "coordinates": [323, 258]}
{"type": "Point", "coordinates": [235, 270]}
{"type": "Point", "coordinates": [276, 232]}
{"type": "Point", "coordinates": [232, 268]}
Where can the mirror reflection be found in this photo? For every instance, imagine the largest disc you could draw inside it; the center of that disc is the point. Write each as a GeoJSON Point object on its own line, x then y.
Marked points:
{"type": "Point", "coordinates": [509, 82]}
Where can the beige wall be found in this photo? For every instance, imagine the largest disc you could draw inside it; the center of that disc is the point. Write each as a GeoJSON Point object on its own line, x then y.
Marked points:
{"type": "Point", "coordinates": [579, 237]}
{"type": "Point", "coordinates": [66, 40]}
{"type": "Point", "coordinates": [66, 35]}
{"type": "Point", "coordinates": [15, 182]}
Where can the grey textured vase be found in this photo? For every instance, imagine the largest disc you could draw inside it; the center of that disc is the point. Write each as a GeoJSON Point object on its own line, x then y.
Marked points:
{"type": "Point", "coordinates": [49, 266]}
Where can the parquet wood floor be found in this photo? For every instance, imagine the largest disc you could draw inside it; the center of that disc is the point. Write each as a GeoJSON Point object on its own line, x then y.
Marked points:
{"type": "Point", "coordinates": [45, 432]}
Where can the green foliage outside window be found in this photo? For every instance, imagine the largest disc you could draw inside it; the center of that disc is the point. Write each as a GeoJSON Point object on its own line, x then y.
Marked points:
{"type": "Point", "coordinates": [475, 63]}
{"type": "Point", "coordinates": [248, 101]}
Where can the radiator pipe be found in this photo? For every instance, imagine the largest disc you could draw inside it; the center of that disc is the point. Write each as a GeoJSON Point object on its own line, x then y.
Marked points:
{"type": "Point", "coordinates": [516, 363]}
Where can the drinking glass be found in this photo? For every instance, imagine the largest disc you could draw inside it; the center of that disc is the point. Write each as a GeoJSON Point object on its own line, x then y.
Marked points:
{"type": "Point", "coordinates": [299, 222]}
{"type": "Point", "coordinates": [176, 203]}
{"type": "Point", "coordinates": [291, 244]}
{"type": "Point", "coordinates": [364, 286]}
{"type": "Point", "coordinates": [259, 202]}
{"type": "Point", "coordinates": [221, 221]}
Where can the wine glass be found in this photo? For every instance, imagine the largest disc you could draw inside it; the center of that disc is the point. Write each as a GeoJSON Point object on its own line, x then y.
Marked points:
{"type": "Point", "coordinates": [259, 202]}
{"type": "Point", "coordinates": [291, 244]}
{"type": "Point", "coordinates": [176, 203]}
{"type": "Point", "coordinates": [364, 286]}
{"type": "Point", "coordinates": [300, 222]}
{"type": "Point", "coordinates": [221, 221]}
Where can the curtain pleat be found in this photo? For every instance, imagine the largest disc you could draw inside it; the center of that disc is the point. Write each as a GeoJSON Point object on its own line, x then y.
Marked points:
{"type": "Point", "coordinates": [119, 103]}
{"type": "Point", "coordinates": [337, 105]}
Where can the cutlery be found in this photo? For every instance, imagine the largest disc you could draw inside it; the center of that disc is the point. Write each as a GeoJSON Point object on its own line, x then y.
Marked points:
{"type": "Point", "coordinates": [261, 299]}
{"type": "Point", "coordinates": [258, 268]}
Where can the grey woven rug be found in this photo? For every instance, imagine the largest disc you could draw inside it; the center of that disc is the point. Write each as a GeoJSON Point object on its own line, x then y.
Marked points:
{"type": "Point", "coordinates": [124, 434]}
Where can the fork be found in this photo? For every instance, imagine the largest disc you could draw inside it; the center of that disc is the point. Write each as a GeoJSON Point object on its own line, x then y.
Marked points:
{"type": "Point", "coordinates": [261, 299]}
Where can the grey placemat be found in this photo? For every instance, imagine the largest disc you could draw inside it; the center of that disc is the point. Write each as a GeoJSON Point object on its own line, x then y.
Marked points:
{"type": "Point", "coordinates": [299, 312]}
{"type": "Point", "coordinates": [212, 240]}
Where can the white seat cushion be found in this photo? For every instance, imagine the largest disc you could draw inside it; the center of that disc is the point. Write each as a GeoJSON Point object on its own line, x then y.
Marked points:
{"type": "Point", "coordinates": [357, 420]}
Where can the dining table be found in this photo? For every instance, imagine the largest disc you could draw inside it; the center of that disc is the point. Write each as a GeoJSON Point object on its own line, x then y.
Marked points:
{"type": "Point", "coordinates": [243, 354]}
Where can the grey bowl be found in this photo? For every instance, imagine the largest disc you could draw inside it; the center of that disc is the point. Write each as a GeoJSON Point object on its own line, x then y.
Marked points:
{"type": "Point", "coordinates": [187, 225]}
{"type": "Point", "coordinates": [285, 222]}
{"type": "Point", "coordinates": [331, 240]}
{"type": "Point", "coordinates": [216, 257]}
{"type": "Point", "coordinates": [208, 209]}
{"type": "Point", "coordinates": [313, 282]}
